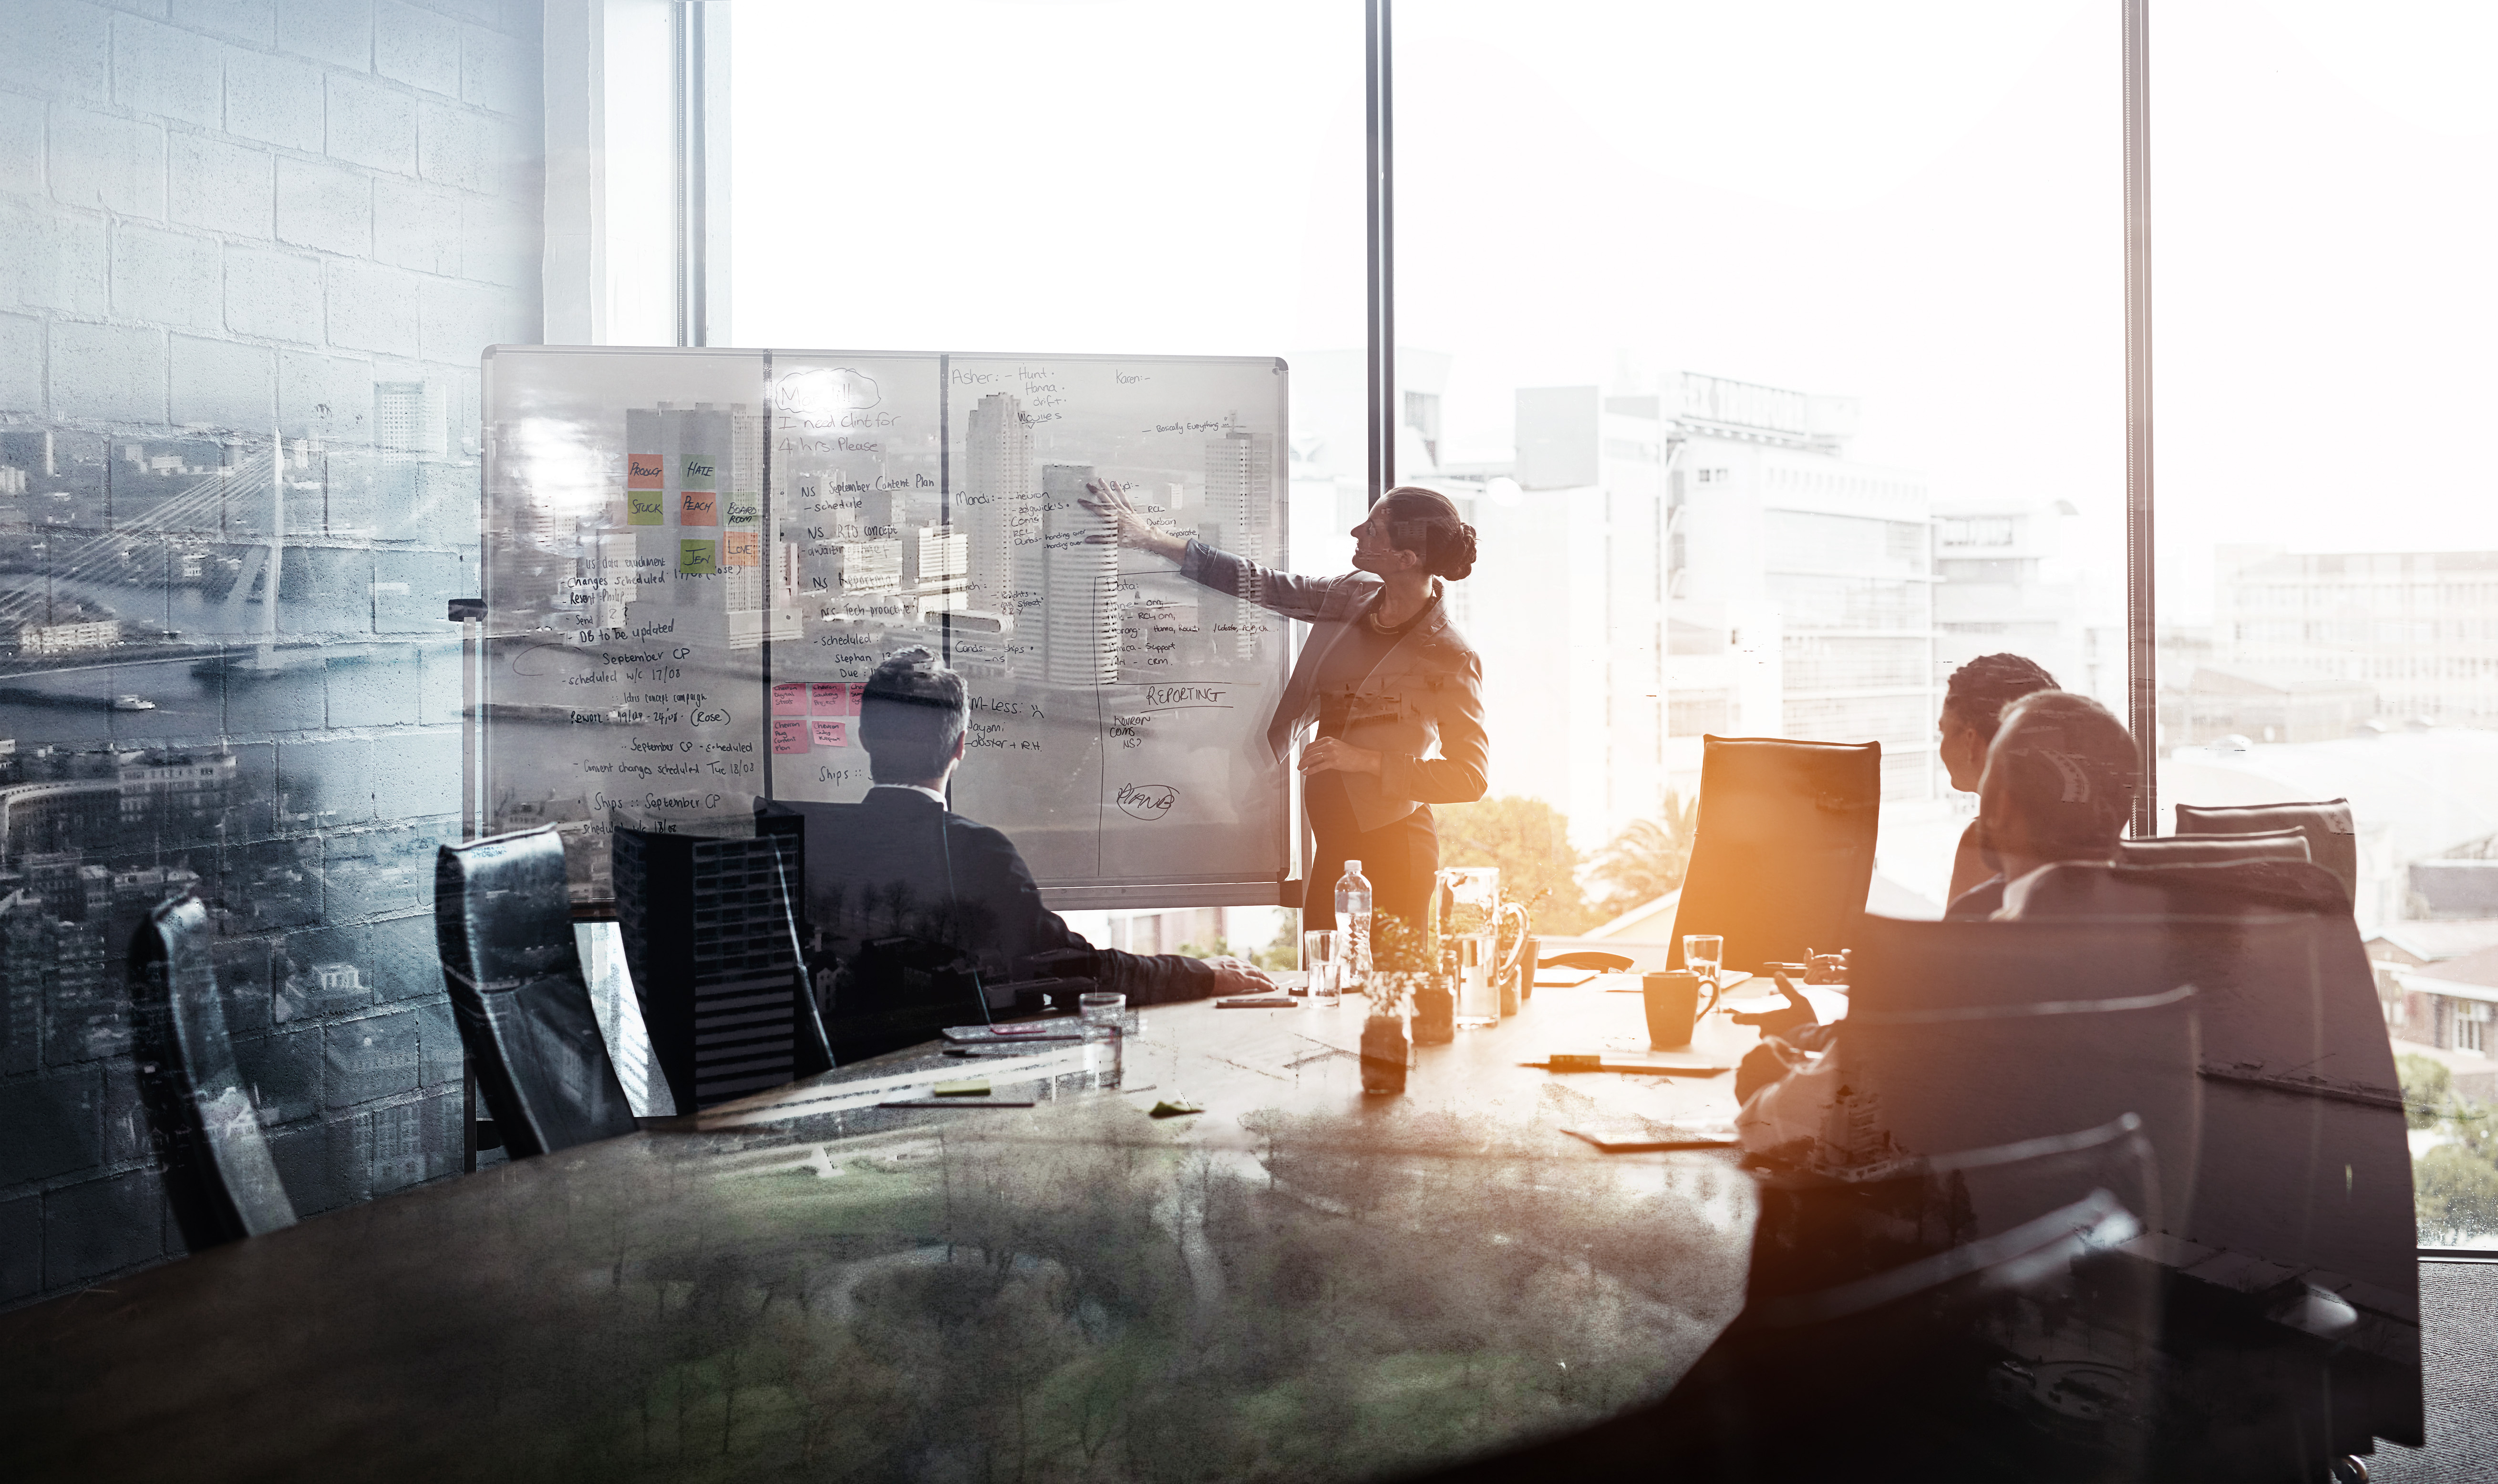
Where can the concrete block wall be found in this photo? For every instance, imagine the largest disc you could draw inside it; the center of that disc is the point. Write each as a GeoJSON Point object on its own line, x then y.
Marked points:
{"type": "Point", "coordinates": [225, 223]}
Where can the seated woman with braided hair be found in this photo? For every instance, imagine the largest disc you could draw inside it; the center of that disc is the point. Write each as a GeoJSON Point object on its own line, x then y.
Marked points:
{"type": "Point", "coordinates": [1394, 691]}
{"type": "Point", "coordinates": [1973, 702]}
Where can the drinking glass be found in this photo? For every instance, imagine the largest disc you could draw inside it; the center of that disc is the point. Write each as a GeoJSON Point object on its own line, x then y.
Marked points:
{"type": "Point", "coordinates": [1478, 995]}
{"type": "Point", "coordinates": [1104, 1017]}
{"type": "Point", "coordinates": [1320, 948]}
{"type": "Point", "coordinates": [1702, 954]}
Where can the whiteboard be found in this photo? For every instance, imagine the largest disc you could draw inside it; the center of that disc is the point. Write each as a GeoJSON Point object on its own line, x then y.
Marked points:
{"type": "Point", "coordinates": [693, 559]}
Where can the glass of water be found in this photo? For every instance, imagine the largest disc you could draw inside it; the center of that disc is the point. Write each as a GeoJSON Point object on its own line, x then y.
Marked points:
{"type": "Point", "coordinates": [1478, 994]}
{"type": "Point", "coordinates": [1321, 949]}
{"type": "Point", "coordinates": [1106, 1034]}
{"type": "Point", "coordinates": [1702, 954]}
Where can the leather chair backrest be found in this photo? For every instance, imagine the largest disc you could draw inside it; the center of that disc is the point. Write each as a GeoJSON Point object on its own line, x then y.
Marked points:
{"type": "Point", "coordinates": [218, 1174]}
{"type": "Point", "coordinates": [2209, 849]}
{"type": "Point", "coordinates": [2305, 1159]}
{"type": "Point", "coordinates": [503, 918]}
{"type": "Point", "coordinates": [1785, 848]}
{"type": "Point", "coordinates": [2332, 838]}
{"type": "Point", "coordinates": [1966, 1035]}
{"type": "Point", "coordinates": [892, 968]}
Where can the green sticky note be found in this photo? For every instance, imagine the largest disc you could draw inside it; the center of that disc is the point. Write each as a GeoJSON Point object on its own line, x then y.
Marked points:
{"type": "Point", "coordinates": [968, 1087]}
{"type": "Point", "coordinates": [698, 559]}
{"type": "Point", "coordinates": [1168, 1109]}
{"type": "Point", "coordinates": [645, 507]}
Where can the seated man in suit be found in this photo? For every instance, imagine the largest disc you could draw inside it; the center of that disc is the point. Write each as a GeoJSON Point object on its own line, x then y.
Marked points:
{"type": "Point", "coordinates": [2059, 785]}
{"type": "Point", "coordinates": [916, 915]}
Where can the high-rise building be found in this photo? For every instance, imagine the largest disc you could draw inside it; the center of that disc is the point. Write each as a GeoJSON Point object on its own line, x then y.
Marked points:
{"type": "Point", "coordinates": [1076, 643]}
{"type": "Point", "coordinates": [997, 507]}
{"type": "Point", "coordinates": [1239, 499]}
{"type": "Point", "coordinates": [1699, 558]}
{"type": "Point", "coordinates": [944, 577]}
{"type": "Point", "coordinates": [2010, 583]}
{"type": "Point", "coordinates": [710, 938]}
{"type": "Point", "coordinates": [2420, 628]}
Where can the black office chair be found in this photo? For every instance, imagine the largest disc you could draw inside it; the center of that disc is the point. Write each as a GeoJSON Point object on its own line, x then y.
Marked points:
{"type": "Point", "coordinates": [218, 1174]}
{"type": "Point", "coordinates": [2214, 849]}
{"type": "Point", "coordinates": [1888, 1333]}
{"type": "Point", "coordinates": [1785, 848]}
{"type": "Point", "coordinates": [2304, 1175]}
{"type": "Point", "coordinates": [2332, 839]}
{"type": "Point", "coordinates": [889, 937]}
{"type": "Point", "coordinates": [503, 918]}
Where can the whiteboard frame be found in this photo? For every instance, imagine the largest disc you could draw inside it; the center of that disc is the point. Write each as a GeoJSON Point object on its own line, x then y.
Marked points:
{"type": "Point", "coordinates": [1283, 890]}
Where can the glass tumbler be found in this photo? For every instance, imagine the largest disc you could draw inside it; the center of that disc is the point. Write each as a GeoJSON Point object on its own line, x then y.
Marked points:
{"type": "Point", "coordinates": [1702, 954]}
{"type": "Point", "coordinates": [1106, 1035]}
{"type": "Point", "coordinates": [1320, 951]}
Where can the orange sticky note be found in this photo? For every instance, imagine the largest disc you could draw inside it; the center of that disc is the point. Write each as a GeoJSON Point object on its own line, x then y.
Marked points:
{"type": "Point", "coordinates": [701, 507]}
{"type": "Point", "coordinates": [645, 472]}
{"type": "Point", "coordinates": [737, 548]}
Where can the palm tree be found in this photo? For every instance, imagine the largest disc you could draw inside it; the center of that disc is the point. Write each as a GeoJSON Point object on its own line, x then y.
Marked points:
{"type": "Point", "coordinates": [1649, 857]}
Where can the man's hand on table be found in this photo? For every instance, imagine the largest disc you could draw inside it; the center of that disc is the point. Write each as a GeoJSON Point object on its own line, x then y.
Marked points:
{"type": "Point", "coordinates": [1233, 976]}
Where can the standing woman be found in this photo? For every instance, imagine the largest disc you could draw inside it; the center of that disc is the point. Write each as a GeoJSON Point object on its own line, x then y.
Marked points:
{"type": "Point", "coordinates": [1395, 691]}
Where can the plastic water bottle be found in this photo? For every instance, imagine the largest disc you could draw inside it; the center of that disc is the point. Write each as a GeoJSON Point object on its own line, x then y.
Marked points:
{"type": "Point", "coordinates": [1353, 919]}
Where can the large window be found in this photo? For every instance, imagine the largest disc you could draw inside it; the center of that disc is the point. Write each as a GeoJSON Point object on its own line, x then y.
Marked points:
{"type": "Point", "coordinates": [1751, 319]}
{"type": "Point", "coordinates": [2324, 225]}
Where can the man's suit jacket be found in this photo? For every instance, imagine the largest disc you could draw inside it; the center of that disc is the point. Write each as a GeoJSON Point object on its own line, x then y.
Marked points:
{"type": "Point", "coordinates": [913, 910]}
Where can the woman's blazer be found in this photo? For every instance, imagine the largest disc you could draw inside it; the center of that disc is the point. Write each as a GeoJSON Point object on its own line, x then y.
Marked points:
{"type": "Point", "coordinates": [1420, 707]}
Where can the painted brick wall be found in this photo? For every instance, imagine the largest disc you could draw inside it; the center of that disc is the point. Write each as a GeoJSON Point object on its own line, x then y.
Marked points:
{"type": "Point", "coordinates": [249, 252]}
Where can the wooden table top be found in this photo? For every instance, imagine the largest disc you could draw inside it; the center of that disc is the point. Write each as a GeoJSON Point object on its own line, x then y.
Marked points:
{"type": "Point", "coordinates": [1301, 1281]}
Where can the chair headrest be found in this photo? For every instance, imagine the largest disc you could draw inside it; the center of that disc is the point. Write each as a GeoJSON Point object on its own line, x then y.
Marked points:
{"type": "Point", "coordinates": [503, 911]}
{"type": "Point", "coordinates": [2205, 850]}
{"type": "Point", "coordinates": [2202, 889]}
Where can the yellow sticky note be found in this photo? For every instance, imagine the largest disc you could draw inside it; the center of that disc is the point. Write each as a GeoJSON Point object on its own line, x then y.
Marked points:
{"type": "Point", "coordinates": [968, 1087]}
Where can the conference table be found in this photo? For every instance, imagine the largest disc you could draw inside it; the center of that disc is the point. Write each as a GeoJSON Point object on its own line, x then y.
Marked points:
{"type": "Point", "coordinates": [1298, 1281]}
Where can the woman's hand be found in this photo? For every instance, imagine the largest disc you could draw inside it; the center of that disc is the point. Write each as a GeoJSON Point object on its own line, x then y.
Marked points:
{"type": "Point", "coordinates": [1128, 526]}
{"type": "Point", "coordinates": [1335, 754]}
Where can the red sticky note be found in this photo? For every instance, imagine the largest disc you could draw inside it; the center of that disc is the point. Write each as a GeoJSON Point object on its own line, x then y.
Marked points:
{"type": "Point", "coordinates": [788, 735]}
{"type": "Point", "coordinates": [831, 733]}
{"type": "Point", "coordinates": [645, 472]}
{"type": "Point", "coordinates": [789, 698]}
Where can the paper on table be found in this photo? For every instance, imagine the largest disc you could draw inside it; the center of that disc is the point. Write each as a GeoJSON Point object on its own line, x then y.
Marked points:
{"type": "Point", "coordinates": [1657, 1063]}
{"type": "Point", "coordinates": [1644, 1138]}
{"type": "Point", "coordinates": [816, 1098]}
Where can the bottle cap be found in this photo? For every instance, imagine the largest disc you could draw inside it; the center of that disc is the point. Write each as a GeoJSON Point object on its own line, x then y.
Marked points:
{"type": "Point", "coordinates": [1353, 868]}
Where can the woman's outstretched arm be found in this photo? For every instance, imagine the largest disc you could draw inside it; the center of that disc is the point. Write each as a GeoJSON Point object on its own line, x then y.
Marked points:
{"type": "Point", "coordinates": [1286, 592]}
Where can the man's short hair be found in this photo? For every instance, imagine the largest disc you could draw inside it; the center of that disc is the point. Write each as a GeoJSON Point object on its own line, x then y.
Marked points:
{"type": "Point", "coordinates": [911, 715]}
{"type": "Point", "coordinates": [2069, 769]}
{"type": "Point", "coordinates": [1979, 692]}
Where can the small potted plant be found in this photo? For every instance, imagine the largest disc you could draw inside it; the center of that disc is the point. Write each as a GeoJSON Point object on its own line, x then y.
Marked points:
{"type": "Point", "coordinates": [1399, 988]}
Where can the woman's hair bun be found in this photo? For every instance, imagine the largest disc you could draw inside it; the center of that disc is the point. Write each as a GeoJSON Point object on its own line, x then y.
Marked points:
{"type": "Point", "coordinates": [1427, 521]}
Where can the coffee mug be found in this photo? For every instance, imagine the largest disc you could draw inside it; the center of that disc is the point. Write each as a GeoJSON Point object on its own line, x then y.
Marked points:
{"type": "Point", "coordinates": [1673, 1003]}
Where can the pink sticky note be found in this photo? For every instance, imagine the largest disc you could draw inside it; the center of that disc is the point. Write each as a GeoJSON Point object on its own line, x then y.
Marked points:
{"type": "Point", "coordinates": [831, 733]}
{"type": "Point", "coordinates": [824, 697]}
{"type": "Point", "coordinates": [789, 699]}
{"type": "Point", "coordinates": [788, 735]}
